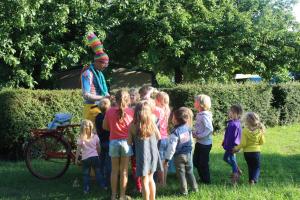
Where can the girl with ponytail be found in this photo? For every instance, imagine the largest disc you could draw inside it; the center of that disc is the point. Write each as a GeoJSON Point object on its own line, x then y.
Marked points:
{"type": "Point", "coordinates": [117, 120]}
{"type": "Point", "coordinates": [252, 138]}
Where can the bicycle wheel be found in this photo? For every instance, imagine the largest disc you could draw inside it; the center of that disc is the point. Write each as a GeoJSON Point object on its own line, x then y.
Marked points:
{"type": "Point", "coordinates": [47, 157]}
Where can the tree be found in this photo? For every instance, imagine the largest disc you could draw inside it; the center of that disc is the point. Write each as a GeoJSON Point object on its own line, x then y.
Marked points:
{"type": "Point", "coordinates": [189, 40]}
{"type": "Point", "coordinates": [203, 39]}
{"type": "Point", "coordinates": [39, 38]}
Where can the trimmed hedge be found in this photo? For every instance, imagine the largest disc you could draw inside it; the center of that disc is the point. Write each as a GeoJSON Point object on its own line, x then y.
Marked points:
{"type": "Point", "coordinates": [22, 110]}
{"type": "Point", "coordinates": [252, 97]}
{"type": "Point", "coordinates": [287, 100]}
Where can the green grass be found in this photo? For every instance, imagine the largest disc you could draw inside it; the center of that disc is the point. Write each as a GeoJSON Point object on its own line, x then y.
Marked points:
{"type": "Point", "coordinates": [280, 176]}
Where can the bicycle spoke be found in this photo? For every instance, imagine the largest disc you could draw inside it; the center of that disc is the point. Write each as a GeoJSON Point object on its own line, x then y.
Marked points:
{"type": "Point", "coordinates": [47, 157]}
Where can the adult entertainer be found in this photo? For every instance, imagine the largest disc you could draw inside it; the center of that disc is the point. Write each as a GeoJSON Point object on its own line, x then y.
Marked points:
{"type": "Point", "coordinates": [93, 83]}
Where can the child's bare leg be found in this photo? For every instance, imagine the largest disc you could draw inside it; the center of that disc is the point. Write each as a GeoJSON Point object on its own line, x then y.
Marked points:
{"type": "Point", "coordinates": [115, 162]}
{"type": "Point", "coordinates": [146, 189]}
{"type": "Point", "coordinates": [123, 176]}
{"type": "Point", "coordinates": [152, 187]}
{"type": "Point", "coordinates": [165, 175]}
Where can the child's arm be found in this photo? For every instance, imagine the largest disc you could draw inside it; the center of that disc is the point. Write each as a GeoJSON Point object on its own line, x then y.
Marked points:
{"type": "Point", "coordinates": [262, 139]}
{"type": "Point", "coordinates": [157, 132]}
{"type": "Point", "coordinates": [130, 132]}
{"type": "Point", "coordinates": [173, 140]}
{"type": "Point", "coordinates": [241, 145]}
{"type": "Point", "coordinates": [206, 123]}
{"type": "Point", "coordinates": [105, 124]}
{"type": "Point", "coordinates": [98, 148]}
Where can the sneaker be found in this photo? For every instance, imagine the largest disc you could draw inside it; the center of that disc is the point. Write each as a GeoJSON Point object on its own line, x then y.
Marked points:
{"type": "Point", "coordinates": [235, 177]}
{"type": "Point", "coordinates": [86, 190]}
{"type": "Point", "coordinates": [185, 193]}
{"type": "Point", "coordinates": [252, 182]}
{"type": "Point", "coordinates": [125, 198]}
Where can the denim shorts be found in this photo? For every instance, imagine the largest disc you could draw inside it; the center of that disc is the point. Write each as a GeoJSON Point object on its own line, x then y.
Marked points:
{"type": "Point", "coordinates": [119, 148]}
{"type": "Point", "coordinates": [162, 148]}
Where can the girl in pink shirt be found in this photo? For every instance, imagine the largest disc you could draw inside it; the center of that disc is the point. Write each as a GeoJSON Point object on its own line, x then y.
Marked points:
{"type": "Point", "coordinates": [88, 145]}
{"type": "Point", "coordinates": [117, 120]}
{"type": "Point", "coordinates": [162, 102]}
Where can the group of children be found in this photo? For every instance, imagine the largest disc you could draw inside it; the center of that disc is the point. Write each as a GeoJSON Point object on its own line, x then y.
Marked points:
{"type": "Point", "coordinates": [136, 126]}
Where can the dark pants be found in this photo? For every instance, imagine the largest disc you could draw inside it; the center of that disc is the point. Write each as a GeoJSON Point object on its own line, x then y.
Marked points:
{"type": "Point", "coordinates": [105, 167]}
{"type": "Point", "coordinates": [201, 161]}
{"type": "Point", "coordinates": [253, 162]}
{"type": "Point", "coordinates": [87, 164]}
{"type": "Point", "coordinates": [184, 170]}
{"type": "Point", "coordinates": [231, 160]}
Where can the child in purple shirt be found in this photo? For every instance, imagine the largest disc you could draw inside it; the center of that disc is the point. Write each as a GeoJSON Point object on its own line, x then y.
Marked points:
{"type": "Point", "coordinates": [232, 138]}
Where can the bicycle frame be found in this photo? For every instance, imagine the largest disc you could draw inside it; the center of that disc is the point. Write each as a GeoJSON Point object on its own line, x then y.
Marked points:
{"type": "Point", "coordinates": [59, 133]}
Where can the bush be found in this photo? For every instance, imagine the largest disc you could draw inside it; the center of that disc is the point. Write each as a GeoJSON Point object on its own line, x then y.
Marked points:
{"type": "Point", "coordinates": [252, 97]}
{"type": "Point", "coordinates": [22, 110]}
{"type": "Point", "coordinates": [286, 99]}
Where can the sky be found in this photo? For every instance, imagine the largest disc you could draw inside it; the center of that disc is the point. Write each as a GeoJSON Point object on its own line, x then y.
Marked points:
{"type": "Point", "coordinates": [297, 11]}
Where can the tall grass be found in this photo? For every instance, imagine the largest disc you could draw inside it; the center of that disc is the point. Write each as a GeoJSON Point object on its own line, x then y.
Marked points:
{"type": "Point", "coordinates": [280, 176]}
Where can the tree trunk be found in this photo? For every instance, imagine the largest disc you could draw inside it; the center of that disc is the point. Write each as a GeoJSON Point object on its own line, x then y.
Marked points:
{"type": "Point", "coordinates": [178, 75]}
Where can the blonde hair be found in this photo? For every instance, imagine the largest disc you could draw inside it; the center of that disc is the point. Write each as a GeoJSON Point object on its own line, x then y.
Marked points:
{"type": "Point", "coordinates": [143, 119]}
{"type": "Point", "coordinates": [191, 116]}
{"type": "Point", "coordinates": [104, 105]}
{"type": "Point", "coordinates": [253, 122]}
{"type": "Point", "coordinates": [164, 100]}
{"type": "Point", "coordinates": [204, 101]}
{"type": "Point", "coordinates": [86, 129]}
{"type": "Point", "coordinates": [123, 100]}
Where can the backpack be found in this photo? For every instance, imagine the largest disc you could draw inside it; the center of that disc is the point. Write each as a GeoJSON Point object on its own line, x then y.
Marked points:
{"type": "Point", "coordinates": [60, 119]}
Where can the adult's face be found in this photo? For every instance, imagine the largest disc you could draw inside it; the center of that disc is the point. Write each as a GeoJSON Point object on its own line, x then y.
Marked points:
{"type": "Point", "coordinates": [100, 65]}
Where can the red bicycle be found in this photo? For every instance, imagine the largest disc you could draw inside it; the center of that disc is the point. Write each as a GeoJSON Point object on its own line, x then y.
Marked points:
{"type": "Point", "coordinates": [49, 153]}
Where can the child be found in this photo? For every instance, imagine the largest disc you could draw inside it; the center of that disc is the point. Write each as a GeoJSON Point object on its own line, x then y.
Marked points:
{"type": "Point", "coordinates": [146, 92]}
{"type": "Point", "coordinates": [105, 161]}
{"type": "Point", "coordinates": [232, 138]}
{"type": "Point", "coordinates": [117, 120]}
{"type": "Point", "coordinates": [134, 99]}
{"type": "Point", "coordinates": [203, 134]}
{"type": "Point", "coordinates": [180, 145]}
{"type": "Point", "coordinates": [252, 138]}
{"type": "Point", "coordinates": [162, 101]}
{"type": "Point", "coordinates": [88, 143]}
{"type": "Point", "coordinates": [144, 133]}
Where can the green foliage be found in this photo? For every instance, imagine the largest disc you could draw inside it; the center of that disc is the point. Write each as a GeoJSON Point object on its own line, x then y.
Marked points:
{"type": "Point", "coordinates": [164, 81]}
{"type": "Point", "coordinates": [286, 99]}
{"type": "Point", "coordinates": [186, 39]}
{"type": "Point", "coordinates": [252, 97]}
{"type": "Point", "coordinates": [23, 110]}
{"type": "Point", "coordinates": [39, 38]}
{"type": "Point", "coordinates": [206, 39]}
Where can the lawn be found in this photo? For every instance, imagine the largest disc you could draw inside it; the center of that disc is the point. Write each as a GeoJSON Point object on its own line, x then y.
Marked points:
{"type": "Point", "coordinates": [280, 176]}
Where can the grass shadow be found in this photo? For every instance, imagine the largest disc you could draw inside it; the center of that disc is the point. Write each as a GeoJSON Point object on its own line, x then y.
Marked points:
{"type": "Point", "coordinates": [18, 183]}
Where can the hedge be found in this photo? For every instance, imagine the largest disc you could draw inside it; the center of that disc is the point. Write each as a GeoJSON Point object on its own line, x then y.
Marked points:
{"type": "Point", "coordinates": [287, 101]}
{"type": "Point", "coordinates": [22, 110]}
{"type": "Point", "coordinates": [252, 97]}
